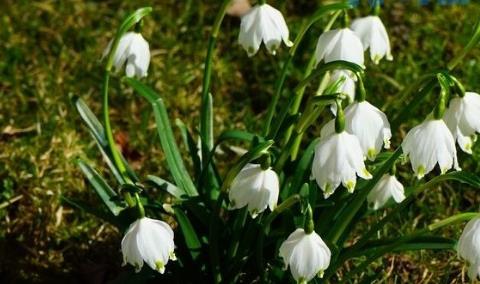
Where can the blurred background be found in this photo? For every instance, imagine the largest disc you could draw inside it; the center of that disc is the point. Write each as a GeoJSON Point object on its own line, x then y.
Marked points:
{"type": "Point", "coordinates": [51, 50]}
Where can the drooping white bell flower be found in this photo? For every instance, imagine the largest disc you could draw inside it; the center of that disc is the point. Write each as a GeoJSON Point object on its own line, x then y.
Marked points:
{"type": "Point", "coordinates": [388, 186]}
{"type": "Point", "coordinates": [338, 160]}
{"type": "Point", "coordinates": [255, 188]}
{"type": "Point", "coordinates": [373, 35]}
{"type": "Point", "coordinates": [339, 44]}
{"type": "Point", "coordinates": [134, 52]}
{"type": "Point", "coordinates": [430, 143]}
{"type": "Point", "coordinates": [369, 124]}
{"type": "Point", "coordinates": [148, 240]}
{"type": "Point", "coordinates": [463, 119]}
{"type": "Point", "coordinates": [306, 254]}
{"type": "Point", "coordinates": [263, 23]}
{"type": "Point", "coordinates": [468, 247]}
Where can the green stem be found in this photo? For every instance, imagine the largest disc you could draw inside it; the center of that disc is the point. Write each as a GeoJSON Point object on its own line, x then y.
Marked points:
{"type": "Point", "coordinates": [141, 210]}
{"type": "Point", "coordinates": [471, 44]}
{"type": "Point", "coordinates": [206, 121]}
{"type": "Point", "coordinates": [295, 107]}
{"type": "Point", "coordinates": [292, 200]}
{"type": "Point", "coordinates": [261, 2]}
{"type": "Point", "coordinates": [280, 82]}
{"type": "Point", "coordinates": [111, 143]}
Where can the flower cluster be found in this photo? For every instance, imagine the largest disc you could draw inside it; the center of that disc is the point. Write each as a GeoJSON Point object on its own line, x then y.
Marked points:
{"type": "Point", "coordinates": [347, 146]}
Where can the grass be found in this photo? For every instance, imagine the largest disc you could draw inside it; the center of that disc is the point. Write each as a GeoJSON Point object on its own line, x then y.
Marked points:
{"type": "Point", "coordinates": [50, 50]}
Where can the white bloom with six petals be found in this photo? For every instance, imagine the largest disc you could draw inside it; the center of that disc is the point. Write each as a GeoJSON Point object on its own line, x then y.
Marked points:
{"type": "Point", "coordinates": [430, 143]}
{"type": "Point", "coordinates": [339, 44]}
{"type": "Point", "coordinates": [148, 240]}
{"type": "Point", "coordinates": [255, 188]}
{"type": "Point", "coordinates": [388, 186]}
{"type": "Point", "coordinates": [263, 23]}
{"type": "Point", "coordinates": [133, 50]}
{"type": "Point", "coordinates": [338, 160]}
{"type": "Point", "coordinates": [306, 254]}
{"type": "Point", "coordinates": [373, 35]}
{"type": "Point", "coordinates": [369, 124]}
{"type": "Point", "coordinates": [463, 119]}
{"type": "Point", "coordinates": [468, 247]}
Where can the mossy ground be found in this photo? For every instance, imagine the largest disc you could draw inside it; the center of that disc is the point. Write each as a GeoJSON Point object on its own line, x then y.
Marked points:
{"type": "Point", "coordinates": [50, 50]}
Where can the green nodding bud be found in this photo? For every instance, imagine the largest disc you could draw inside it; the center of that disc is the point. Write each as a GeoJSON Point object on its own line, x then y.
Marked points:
{"type": "Point", "coordinates": [340, 118]}
{"type": "Point", "coordinates": [139, 26]}
{"type": "Point", "coordinates": [459, 88]}
{"type": "Point", "coordinates": [345, 19]}
{"type": "Point", "coordinates": [441, 105]}
{"type": "Point", "coordinates": [393, 169]}
{"type": "Point", "coordinates": [265, 161]}
{"type": "Point", "coordinates": [309, 225]}
{"type": "Point", "coordinates": [362, 94]}
{"type": "Point", "coordinates": [141, 210]}
{"type": "Point", "coordinates": [376, 8]}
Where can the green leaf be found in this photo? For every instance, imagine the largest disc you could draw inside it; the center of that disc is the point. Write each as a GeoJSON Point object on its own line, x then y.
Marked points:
{"type": "Point", "coordinates": [191, 146]}
{"type": "Point", "coordinates": [104, 191]}
{"type": "Point", "coordinates": [303, 167]}
{"type": "Point", "coordinates": [188, 232]}
{"type": "Point", "coordinates": [460, 176]}
{"type": "Point", "coordinates": [237, 135]}
{"type": "Point", "coordinates": [98, 133]}
{"type": "Point", "coordinates": [166, 186]}
{"type": "Point", "coordinates": [165, 132]}
{"type": "Point", "coordinates": [79, 204]}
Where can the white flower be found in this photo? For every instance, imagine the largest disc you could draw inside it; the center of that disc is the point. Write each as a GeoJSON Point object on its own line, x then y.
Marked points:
{"type": "Point", "coordinates": [388, 186]}
{"type": "Point", "coordinates": [428, 144]}
{"type": "Point", "coordinates": [263, 23]}
{"type": "Point", "coordinates": [468, 247]}
{"type": "Point", "coordinates": [255, 188]}
{"type": "Point", "coordinates": [338, 159]}
{"type": "Point", "coordinates": [306, 254]}
{"type": "Point", "coordinates": [148, 240]}
{"type": "Point", "coordinates": [133, 50]}
{"type": "Point", "coordinates": [339, 44]}
{"type": "Point", "coordinates": [369, 124]}
{"type": "Point", "coordinates": [373, 35]}
{"type": "Point", "coordinates": [463, 119]}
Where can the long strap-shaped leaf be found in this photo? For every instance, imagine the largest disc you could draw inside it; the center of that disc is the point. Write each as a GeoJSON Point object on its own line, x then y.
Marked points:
{"type": "Point", "coordinates": [104, 191]}
{"type": "Point", "coordinates": [165, 132]}
{"type": "Point", "coordinates": [98, 133]}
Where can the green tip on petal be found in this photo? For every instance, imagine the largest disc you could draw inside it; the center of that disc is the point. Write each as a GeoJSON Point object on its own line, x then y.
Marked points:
{"type": "Point", "coordinates": [254, 213]}
{"type": "Point", "coordinates": [328, 189]}
{"type": "Point", "coordinates": [350, 186]}
{"type": "Point", "coordinates": [302, 280]}
{"type": "Point", "coordinates": [160, 266]}
{"type": "Point", "coordinates": [138, 267]}
{"type": "Point", "coordinates": [320, 274]}
{"type": "Point", "coordinates": [468, 148]}
{"type": "Point", "coordinates": [172, 256]}
{"type": "Point", "coordinates": [371, 153]}
{"type": "Point", "coordinates": [367, 174]}
{"type": "Point", "coordinates": [420, 172]}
